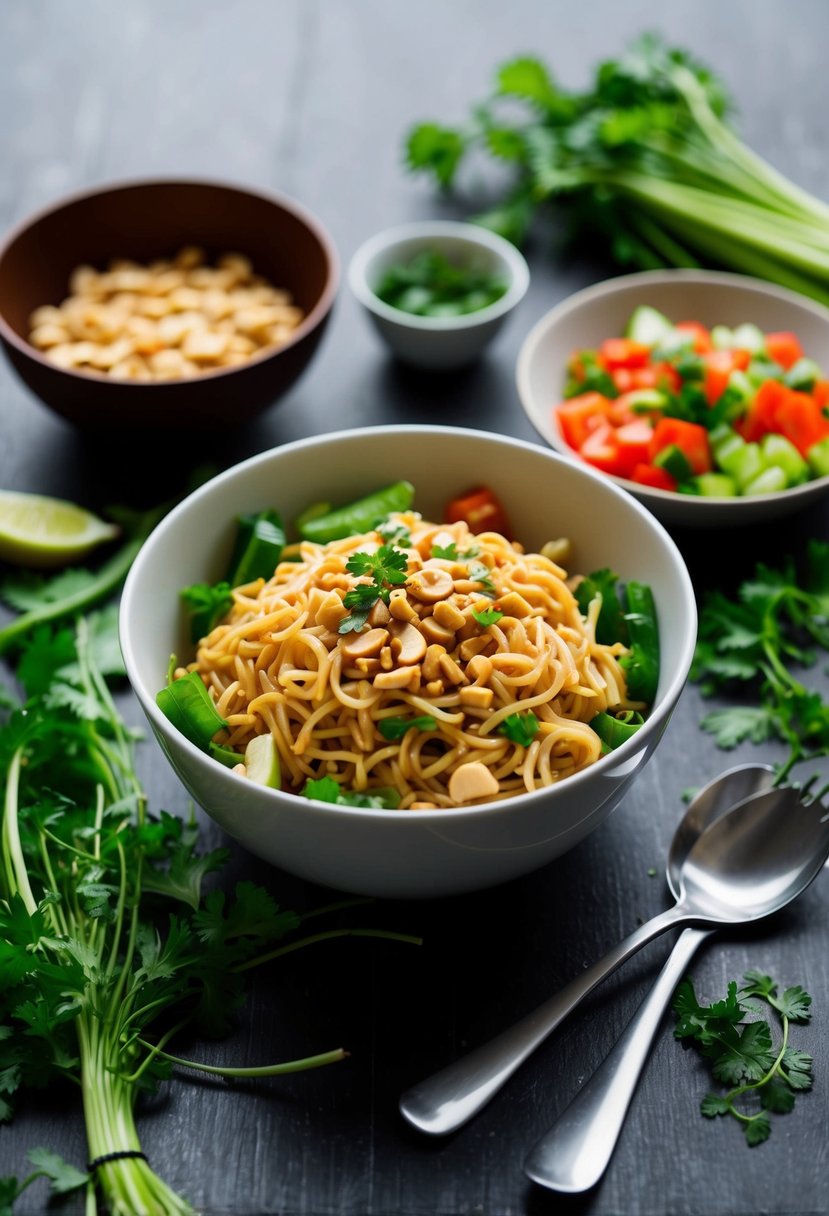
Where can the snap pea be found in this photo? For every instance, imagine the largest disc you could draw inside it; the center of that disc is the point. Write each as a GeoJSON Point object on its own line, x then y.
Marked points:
{"type": "Point", "coordinates": [359, 516]}
{"type": "Point", "coordinates": [641, 666]}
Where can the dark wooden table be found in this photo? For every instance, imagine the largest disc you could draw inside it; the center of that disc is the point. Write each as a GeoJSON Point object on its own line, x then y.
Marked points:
{"type": "Point", "coordinates": [313, 99]}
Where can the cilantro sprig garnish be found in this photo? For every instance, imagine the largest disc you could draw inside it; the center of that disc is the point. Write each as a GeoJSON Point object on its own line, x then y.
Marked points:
{"type": "Point", "coordinates": [751, 642]}
{"type": "Point", "coordinates": [386, 569]}
{"type": "Point", "coordinates": [764, 1077]}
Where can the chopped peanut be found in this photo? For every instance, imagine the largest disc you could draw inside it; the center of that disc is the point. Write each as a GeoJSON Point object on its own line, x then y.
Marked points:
{"type": "Point", "coordinates": [473, 780]}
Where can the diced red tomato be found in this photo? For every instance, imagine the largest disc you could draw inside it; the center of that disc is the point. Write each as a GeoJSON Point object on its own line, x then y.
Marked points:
{"type": "Point", "coordinates": [623, 352]}
{"type": "Point", "coordinates": [821, 393]}
{"type": "Point", "coordinates": [719, 364]}
{"type": "Point", "coordinates": [601, 449]}
{"type": "Point", "coordinates": [784, 347]}
{"type": "Point", "coordinates": [760, 418]}
{"type": "Point", "coordinates": [801, 420]}
{"type": "Point", "coordinates": [689, 437]}
{"type": "Point", "coordinates": [634, 439]}
{"type": "Point", "coordinates": [652, 475]}
{"type": "Point", "coordinates": [701, 335]}
{"type": "Point", "coordinates": [480, 509]}
{"type": "Point", "coordinates": [580, 415]}
{"type": "Point", "coordinates": [655, 375]}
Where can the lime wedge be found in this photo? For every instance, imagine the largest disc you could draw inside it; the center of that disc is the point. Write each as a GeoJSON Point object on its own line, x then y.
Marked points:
{"type": "Point", "coordinates": [262, 762]}
{"type": "Point", "coordinates": [44, 532]}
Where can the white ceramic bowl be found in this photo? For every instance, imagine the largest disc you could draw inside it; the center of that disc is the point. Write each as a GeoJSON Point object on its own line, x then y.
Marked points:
{"type": "Point", "coordinates": [583, 320]}
{"type": "Point", "coordinates": [438, 342]}
{"type": "Point", "coordinates": [406, 853]}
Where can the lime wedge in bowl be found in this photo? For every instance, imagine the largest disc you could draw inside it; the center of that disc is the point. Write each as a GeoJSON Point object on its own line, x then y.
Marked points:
{"type": "Point", "coordinates": [46, 532]}
{"type": "Point", "coordinates": [262, 762]}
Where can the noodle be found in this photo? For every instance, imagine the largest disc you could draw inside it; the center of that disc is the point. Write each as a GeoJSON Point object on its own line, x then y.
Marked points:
{"type": "Point", "coordinates": [277, 664]}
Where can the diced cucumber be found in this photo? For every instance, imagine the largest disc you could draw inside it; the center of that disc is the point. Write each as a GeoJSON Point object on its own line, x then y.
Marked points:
{"type": "Point", "coordinates": [741, 386]}
{"type": "Point", "coordinates": [744, 464]}
{"type": "Point", "coordinates": [762, 369]}
{"type": "Point", "coordinates": [715, 485]}
{"type": "Point", "coordinates": [671, 344]}
{"type": "Point", "coordinates": [722, 338]}
{"type": "Point", "coordinates": [768, 481]}
{"type": "Point", "coordinates": [647, 325]}
{"type": "Point", "coordinates": [779, 452]}
{"type": "Point", "coordinates": [803, 375]}
{"type": "Point", "coordinates": [646, 400]}
{"type": "Point", "coordinates": [818, 457]}
{"type": "Point", "coordinates": [749, 337]}
{"type": "Point", "coordinates": [727, 450]}
{"type": "Point", "coordinates": [674, 461]}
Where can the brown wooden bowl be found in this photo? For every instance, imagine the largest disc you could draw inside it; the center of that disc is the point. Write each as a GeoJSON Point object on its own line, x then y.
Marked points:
{"type": "Point", "coordinates": [144, 220]}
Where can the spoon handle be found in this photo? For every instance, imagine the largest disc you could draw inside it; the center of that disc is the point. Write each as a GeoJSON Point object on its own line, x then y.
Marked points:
{"type": "Point", "coordinates": [445, 1101]}
{"type": "Point", "coordinates": [574, 1154]}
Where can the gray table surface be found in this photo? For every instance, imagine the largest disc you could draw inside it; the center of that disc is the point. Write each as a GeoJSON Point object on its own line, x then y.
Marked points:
{"type": "Point", "coordinates": [313, 98]}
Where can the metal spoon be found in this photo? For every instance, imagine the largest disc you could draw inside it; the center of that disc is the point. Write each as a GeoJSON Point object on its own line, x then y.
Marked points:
{"type": "Point", "coordinates": [575, 1152]}
{"type": "Point", "coordinates": [749, 863]}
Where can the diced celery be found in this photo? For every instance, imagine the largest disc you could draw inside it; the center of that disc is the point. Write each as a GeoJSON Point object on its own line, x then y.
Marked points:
{"type": "Point", "coordinates": [647, 325]}
{"type": "Point", "coordinates": [779, 452]}
{"type": "Point", "coordinates": [818, 457]}
{"type": "Point", "coordinates": [803, 374]}
{"type": "Point", "coordinates": [715, 485]}
{"type": "Point", "coordinates": [768, 481]}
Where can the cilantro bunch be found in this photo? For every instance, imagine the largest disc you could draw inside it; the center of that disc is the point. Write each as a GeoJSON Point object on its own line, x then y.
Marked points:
{"type": "Point", "coordinates": [643, 160]}
{"type": "Point", "coordinates": [751, 642]}
{"type": "Point", "coordinates": [742, 1053]}
{"type": "Point", "coordinates": [110, 943]}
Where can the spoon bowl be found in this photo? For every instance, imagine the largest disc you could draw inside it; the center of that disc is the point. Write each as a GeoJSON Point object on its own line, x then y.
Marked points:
{"type": "Point", "coordinates": [755, 859]}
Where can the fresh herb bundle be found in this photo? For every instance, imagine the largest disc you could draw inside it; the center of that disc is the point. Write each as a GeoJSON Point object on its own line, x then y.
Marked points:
{"type": "Point", "coordinates": [109, 944]}
{"type": "Point", "coordinates": [750, 642]}
{"type": "Point", "coordinates": [644, 160]}
{"type": "Point", "coordinates": [742, 1053]}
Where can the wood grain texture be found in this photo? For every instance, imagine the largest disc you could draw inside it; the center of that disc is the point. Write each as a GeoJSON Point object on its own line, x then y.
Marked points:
{"type": "Point", "coordinates": [313, 98]}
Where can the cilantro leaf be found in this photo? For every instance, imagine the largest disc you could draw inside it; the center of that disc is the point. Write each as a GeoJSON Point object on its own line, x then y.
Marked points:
{"type": "Point", "coordinates": [396, 728]}
{"type": "Point", "coordinates": [739, 724]}
{"type": "Point", "coordinates": [63, 1176]}
{"type": "Point", "coordinates": [487, 616]}
{"type": "Point", "coordinates": [520, 728]}
{"type": "Point", "coordinates": [757, 1129]}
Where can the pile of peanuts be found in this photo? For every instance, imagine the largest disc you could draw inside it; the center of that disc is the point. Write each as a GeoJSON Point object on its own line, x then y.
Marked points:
{"type": "Point", "coordinates": [169, 320]}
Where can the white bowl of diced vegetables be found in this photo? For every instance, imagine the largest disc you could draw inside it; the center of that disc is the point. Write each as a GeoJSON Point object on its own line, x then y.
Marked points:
{"type": "Point", "coordinates": [702, 393]}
